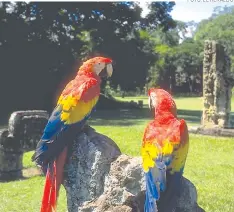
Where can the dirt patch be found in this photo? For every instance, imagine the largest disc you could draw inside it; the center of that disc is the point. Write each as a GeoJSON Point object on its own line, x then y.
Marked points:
{"type": "Point", "coordinates": [31, 172]}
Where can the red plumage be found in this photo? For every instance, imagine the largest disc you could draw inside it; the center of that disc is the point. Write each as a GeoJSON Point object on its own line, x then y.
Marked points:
{"type": "Point", "coordinates": [165, 124]}
{"type": "Point", "coordinates": [81, 84]}
{"type": "Point", "coordinates": [162, 128]}
{"type": "Point", "coordinates": [53, 181]}
{"type": "Point", "coordinates": [74, 107]}
{"type": "Point", "coordinates": [164, 149]}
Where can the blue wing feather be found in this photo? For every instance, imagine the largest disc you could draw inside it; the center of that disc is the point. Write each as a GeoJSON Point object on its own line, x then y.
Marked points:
{"type": "Point", "coordinates": [55, 132]}
{"type": "Point", "coordinates": [155, 183]}
{"type": "Point", "coordinates": [54, 125]}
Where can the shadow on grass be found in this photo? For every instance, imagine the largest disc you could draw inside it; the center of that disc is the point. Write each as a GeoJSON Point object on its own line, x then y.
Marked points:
{"type": "Point", "coordinates": [10, 179]}
{"type": "Point", "coordinates": [191, 116]}
{"type": "Point", "coordinates": [26, 174]}
{"type": "Point", "coordinates": [120, 117]}
{"type": "Point", "coordinates": [128, 117]}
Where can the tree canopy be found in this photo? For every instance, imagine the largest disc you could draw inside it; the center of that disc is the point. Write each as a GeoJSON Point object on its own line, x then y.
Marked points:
{"type": "Point", "coordinates": [178, 66]}
{"type": "Point", "coordinates": [43, 43]}
{"type": "Point", "coordinates": [219, 27]}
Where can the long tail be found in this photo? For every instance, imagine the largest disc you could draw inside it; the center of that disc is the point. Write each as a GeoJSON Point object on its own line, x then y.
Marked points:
{"type": "Point", "coordinates": [155, 183]}
{"type": "Point", "coordinates": [54, 178]}
{"type": "Point", "coordinates": [50, 190]}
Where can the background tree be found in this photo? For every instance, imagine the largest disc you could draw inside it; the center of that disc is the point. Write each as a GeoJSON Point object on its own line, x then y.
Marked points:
{"type": "Point", "coordinates": [179, 51]}
{"type": "Point", "coordinates": [219, 27]}
{"type": "Point", "coordinates": [42, 44]}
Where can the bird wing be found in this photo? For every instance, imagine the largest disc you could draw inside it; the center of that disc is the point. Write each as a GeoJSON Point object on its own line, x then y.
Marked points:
{"type": "Point", "coordinates": [74, 106]}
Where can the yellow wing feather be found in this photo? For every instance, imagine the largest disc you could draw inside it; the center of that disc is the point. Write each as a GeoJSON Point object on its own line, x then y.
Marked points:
{"type": "Point", "coordinates": [74, 104]}
{"type": "Point", "coordinates": [179, 158]}
{"type": "Point", "coordinates": [150, 151]}
{"type": "Point", "coordinates": [74, 110]}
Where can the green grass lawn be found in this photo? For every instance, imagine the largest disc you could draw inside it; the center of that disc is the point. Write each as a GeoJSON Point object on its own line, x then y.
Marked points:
{"type": "Point", "coordinates": [209, 164]}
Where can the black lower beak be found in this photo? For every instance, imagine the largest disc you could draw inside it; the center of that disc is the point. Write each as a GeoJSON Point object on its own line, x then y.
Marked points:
{"type": "Point", "coordinates": [151, 108]}
{"type": "Point", "coordinates": [152, 112]}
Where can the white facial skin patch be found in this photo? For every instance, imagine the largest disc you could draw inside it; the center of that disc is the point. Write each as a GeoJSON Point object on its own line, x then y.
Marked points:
{"type": "Point", "coordinates": [99, 67]}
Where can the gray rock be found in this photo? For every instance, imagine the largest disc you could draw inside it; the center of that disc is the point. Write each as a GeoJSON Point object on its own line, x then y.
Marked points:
{"type": "Point", "coordinates": [187, 201]}
{"type": "Point", "coordinates": [124, 188]}
{"type": "Point", "coordinates": [212, 131]}
{"type": "Point", "coordinates": [27, 127]}
{"type": "Point", "coordinates": [23, 133]}
{"type": "Point", "coordinates": [89, 163]}
{"type": "Point", "coordinates": [11, 156]}
{"type": "Point", "coordinates": [98, 181]}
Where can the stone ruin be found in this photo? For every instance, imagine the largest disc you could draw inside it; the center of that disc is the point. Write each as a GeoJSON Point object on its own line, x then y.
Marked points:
{"type": "Point", "coordinates": [217, 92]}
{"type": "Point", "coordinates": [217, 86]}
{"type": "Point", "coordinates": [24, 131]}
{"type": "Point", "coordinates": [98, 177]}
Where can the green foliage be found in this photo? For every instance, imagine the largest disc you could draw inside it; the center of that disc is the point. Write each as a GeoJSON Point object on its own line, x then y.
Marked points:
{"type": "Point", "coordinates": [163, 50]}
{"type": "Point", "coordinates": [43, 43]}
{"type": "Point", "coordinates": [144, 34]}
{"type": "Point", "coordinates": [157, 13]}
{"type": "Point", "coordinates": [188, 61]}
{"type": "Point", "coordinates": [162, 70]}
{"type": "Point", "coordinates": [219, 28]}
{"type": "Point", "coordinates": [118, 92]}
{"type": "Point", "coordinates": [178, 65]}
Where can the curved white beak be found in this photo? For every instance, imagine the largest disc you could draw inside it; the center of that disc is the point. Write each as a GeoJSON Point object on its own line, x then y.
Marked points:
{"type": "Point", "coordinates": [149, 103]}
{"type": "Point", "coordinates": [109, 70]}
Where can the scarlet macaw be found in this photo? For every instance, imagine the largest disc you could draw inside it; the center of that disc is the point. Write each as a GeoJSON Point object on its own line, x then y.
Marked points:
{"type": "Point", "coordinates": [74, 107]}
{"type": "Point", "coordinates": [164, 148]}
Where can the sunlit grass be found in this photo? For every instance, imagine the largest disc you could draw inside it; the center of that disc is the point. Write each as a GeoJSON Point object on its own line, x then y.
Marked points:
{"type": "Point", "coordinates": [209, 164]}
{"type": "Point", "coordinates": [188, 103]}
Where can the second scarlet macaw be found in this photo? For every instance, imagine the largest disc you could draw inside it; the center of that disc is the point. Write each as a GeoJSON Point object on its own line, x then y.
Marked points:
{"type": "Point", "coordinates": [74, 107]}
{"type": "Point", "coordinates": [164, 148]}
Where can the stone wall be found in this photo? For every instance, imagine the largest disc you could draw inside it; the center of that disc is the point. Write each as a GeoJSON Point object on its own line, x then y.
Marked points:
{"type": "Point", "coordinates": [217, 85]}
{"type": "Point", "coordinates": [24, 131]}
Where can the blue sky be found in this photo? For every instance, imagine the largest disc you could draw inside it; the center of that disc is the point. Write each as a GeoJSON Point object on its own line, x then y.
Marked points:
{"type": "Point", "coordinates": [191, 10]}
{"type": "Point", "coordinates": [188, 10]}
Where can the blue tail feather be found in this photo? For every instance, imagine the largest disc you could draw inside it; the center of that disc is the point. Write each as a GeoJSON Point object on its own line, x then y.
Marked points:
{"type": "Point", "coordinates": [155, 183]}
{"type": "Point", "coordinates": [152, 193]}
{"type": "Point", "coordinates": [150, 202]}
{"type": "Point", "coordinates": [151, 185]}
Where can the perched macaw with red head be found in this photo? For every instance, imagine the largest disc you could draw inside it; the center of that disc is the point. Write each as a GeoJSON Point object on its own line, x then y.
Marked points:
{"type": "Point", "coordinates": [74, 107]}
{"type": "Point", "coordinates": [164, 149]}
